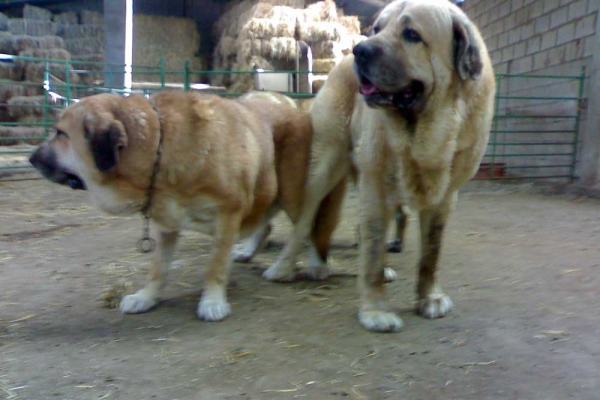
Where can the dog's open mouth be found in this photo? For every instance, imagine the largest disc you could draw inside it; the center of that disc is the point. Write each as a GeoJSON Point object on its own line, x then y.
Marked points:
{"type": "Point", "coordinates": [408, 98]}
{"type": "Point", "coordinates": [74, 182]}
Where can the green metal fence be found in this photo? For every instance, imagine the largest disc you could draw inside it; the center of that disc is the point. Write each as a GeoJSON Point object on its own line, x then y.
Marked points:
{"type": "Point", "coordinates": [534, 133]}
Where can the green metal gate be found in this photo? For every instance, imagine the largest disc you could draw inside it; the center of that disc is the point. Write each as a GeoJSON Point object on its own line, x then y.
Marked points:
{"type": "Point", "coordinates": [535, 131]}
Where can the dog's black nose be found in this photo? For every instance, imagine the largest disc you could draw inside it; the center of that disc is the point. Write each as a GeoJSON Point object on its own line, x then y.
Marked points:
{"type": "Point", "coordinates": [364, 52]}
{"type": "Point", "coordinates": [33, 159]}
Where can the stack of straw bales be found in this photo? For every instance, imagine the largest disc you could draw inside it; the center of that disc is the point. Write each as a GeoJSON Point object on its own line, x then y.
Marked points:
{"type": "Point", "coordinates": [263, 34]}
{"type": "Point", "coordinates": [175, 39]}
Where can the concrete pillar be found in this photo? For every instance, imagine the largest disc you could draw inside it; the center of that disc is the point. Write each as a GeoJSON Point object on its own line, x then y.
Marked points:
{"type": "Point", "coordinates": [114, 42]}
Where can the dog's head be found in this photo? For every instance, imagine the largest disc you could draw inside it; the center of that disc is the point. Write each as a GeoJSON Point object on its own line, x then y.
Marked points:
{"type": "Point", "coordinates": [418, 48]}
{"type": "Point", "coordinates": [86, 148]}
{"type": "Point", "coordinates": [87, 142]}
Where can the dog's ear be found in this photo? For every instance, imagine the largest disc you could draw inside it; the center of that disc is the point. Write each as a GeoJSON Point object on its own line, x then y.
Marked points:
{"type": "Point", "coordinates": [467, 56]}
{"type": "Point", "coordinates": [106, 136]}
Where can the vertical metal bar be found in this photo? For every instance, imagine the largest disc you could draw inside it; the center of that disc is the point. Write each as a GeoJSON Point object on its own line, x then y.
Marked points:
{"type": "Point", "coordinates": [495, 125]}
{"type": "Point", "coordinates": [577, 123]}
{"type": "Point", "coordinates": [186, 76]}
{"type": "Point", "coordinates": [45, 112]}
{"type": "Point", "coordinates": [67, 83]}
{"type": "Point", "coordinates": [161, 64]}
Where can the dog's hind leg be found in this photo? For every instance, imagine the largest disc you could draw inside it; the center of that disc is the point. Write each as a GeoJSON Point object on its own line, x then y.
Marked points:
{"type": "Point", "coordinates": [432, 302]}
{"type": "Point", "coordinates": [326, 221]}
{"type": "Point", "coordinates": [245, 251]}
{"type": "Point", "coordinates": [213, 305]}
{"type": "Point", "coordinates": [395, 246]}
{"type": "Point", "coordinates": [322, 179]}
{"type": "Point", "coordinates": [146, 298]}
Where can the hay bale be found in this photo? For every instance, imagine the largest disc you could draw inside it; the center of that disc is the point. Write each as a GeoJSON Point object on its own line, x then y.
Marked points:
{"type": "Point", "coordinates": [66, 18]}
{"type": "Point", "coordinates": [153, 38]}
{"type": "Point", "coordinates": [19, 132]}
{"type": "Point", "coordinates": [3, 22]}
{"type": "Point", "coordinates": [91, 18]}
{"type": "Point", "coordinates": [283, 48]}
{"type": "Point", "coordinates": [262, 28]}
{"type": "Point", "coordinates": [23, 106]}
{"type": "Point", "coordinates": [21, 43]}
{"type": "Point", "coordinates": [34, 72]}
{"type": "Point", "coordinates": [318, 82]}
{"type": "Point", "coordinates": [10, 71]}
{"type": "Point", "coordinates": [32, 12]}
{"type": "Point", "coordinates": [322, 31]}
{"type": "Point", "coordinates": [6, 40]}
{"type": "Point", "coordinates": [348, 43]}
{"type": "Point", "coordinates": [226, 46]}
{"type": "Point", "coordinates": [351, 23]}
{"type": "Point", "coordinates": [326, 49]}
{"type": "Point", "coordinates": [326, 10]}
{"type": "Point", "coordinates": [31, 27]}
{"type": "Point", "coordinates": [80, 31]}
{"type": "Point", "coordinates": [8, 90]}
{"type": "Point", "coordinates": [324, 65]}
{"type": "Point", "coordinates": [46, 54]}
{"type": "Point", "coordinates": [83, 46]}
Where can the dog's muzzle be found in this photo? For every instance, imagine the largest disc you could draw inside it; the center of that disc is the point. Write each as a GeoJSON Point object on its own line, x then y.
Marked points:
{"type": "Point", "coordinates": [44, 160]}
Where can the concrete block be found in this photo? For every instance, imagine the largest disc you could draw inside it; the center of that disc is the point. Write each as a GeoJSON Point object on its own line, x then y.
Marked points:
{"type": "Point", "coordinates": [520, 49]}
{"type": "Point", "coordinates": [503, 40]}
{"type": "Point", "coordinates": [504, 9]}
{"type": "Point", "coordinates": [509, 22]}
{"type": "Point", "coordinates": [536, 9]}
{"type": "Point", "coordinates": [586, 26]}
{"type": "Point", "coordinates": [516, 5]}
{"type": "Point", "coordinates": [574, 50]}
{"type": "Point", "coordinates": [558, 17]}
{"type": "Point", "coordinates": [541, 60]}
{"type": "Point", "coordinates": [566, 33]}
{"type": "Point", "coordinates": [507, 54]}
{"type": "Point", "coordinates": [534, 44]}
{"type": "Point", "coordinates": [548, 40]}
{"type": "Point", "coordinates": [577, 9]}
{"type": "Point", "coordinates": [550, 5]}
{"type": "Point", "coordinates": [515, 35]}
{"type": "Point", "coordinates": [527, 30]}
{"type": "Point", "coordinates": [542, 24]}
{"type": "Point", "coordinates": [522, 65]}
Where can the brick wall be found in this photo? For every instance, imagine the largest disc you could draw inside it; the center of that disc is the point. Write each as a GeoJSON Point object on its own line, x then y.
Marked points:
{"type": "Point", "coordinates": [551, 37]}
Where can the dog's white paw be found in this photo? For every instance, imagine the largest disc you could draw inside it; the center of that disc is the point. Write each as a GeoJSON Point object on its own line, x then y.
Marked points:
{"type": "Point", "coordinates": [241, 253]}
{"type": "Point", "coordinates": [389, 275]}
{"type": "Point", "coordinates": [213, 310]}
{"type": "Point", "coordinates": [138, 302]}
{"type": "Point", "coordinates": [380, 321]}
{"type": "Point", "coordinates": [277, 274]}
{"type": "Point", "coordinates": [435, 306]}
{"type": "Point", "coordinates": [318, 273]}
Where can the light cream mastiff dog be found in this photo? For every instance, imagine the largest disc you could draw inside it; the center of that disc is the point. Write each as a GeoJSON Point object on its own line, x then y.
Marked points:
{"type": "Point", "coordinates": [410, 112]}
{"type": "Point", "coordinates": [226, 168]}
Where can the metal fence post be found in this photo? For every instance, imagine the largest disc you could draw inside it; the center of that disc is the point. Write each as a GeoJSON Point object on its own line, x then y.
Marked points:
{"type": "Point", "coordinates": [186, 76]}
{"type": "Point", "coordinates": [580, 106]}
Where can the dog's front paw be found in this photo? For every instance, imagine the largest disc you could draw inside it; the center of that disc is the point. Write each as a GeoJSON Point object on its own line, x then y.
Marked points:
{"type": "Point", "coordinates": [389, 275]}
{"type": "Point", "coordinates": [138, 302]}
{"type": "Point", "coordinates": [277, 274]}
{"type": "Point", "coordinates": [435, 306]}
{"type": "Point", "coordinates": [318, 273]}
{"type": "Point", "coordinates": [380, 321]}
{"type": "Point", "coordinates": [241, 253]}
{"type": "Point", "coordinates": [213, 310]}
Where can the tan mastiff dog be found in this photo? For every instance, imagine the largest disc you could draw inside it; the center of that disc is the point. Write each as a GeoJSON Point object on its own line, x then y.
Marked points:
{"type": "Point", "coordinates": [410, 112]}
{"type": "Point", "coordinates": [217, 172]}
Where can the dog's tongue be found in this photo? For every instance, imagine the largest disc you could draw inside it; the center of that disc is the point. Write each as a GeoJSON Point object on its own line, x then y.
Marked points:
{"type": "Point", "coordinates": [367, 88]}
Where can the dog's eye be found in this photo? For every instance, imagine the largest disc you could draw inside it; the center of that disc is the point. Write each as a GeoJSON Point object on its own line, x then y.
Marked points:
{"type": "Point", "coordinates": [410, 35]}
{"type": "Point", "coordinates": [376, 30]}
{"type": "Point", "coordinates": [61, 133]}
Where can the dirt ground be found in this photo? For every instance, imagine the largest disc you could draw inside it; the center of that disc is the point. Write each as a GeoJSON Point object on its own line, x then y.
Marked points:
{"type": "Point", "coordinates": [522, 268]}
